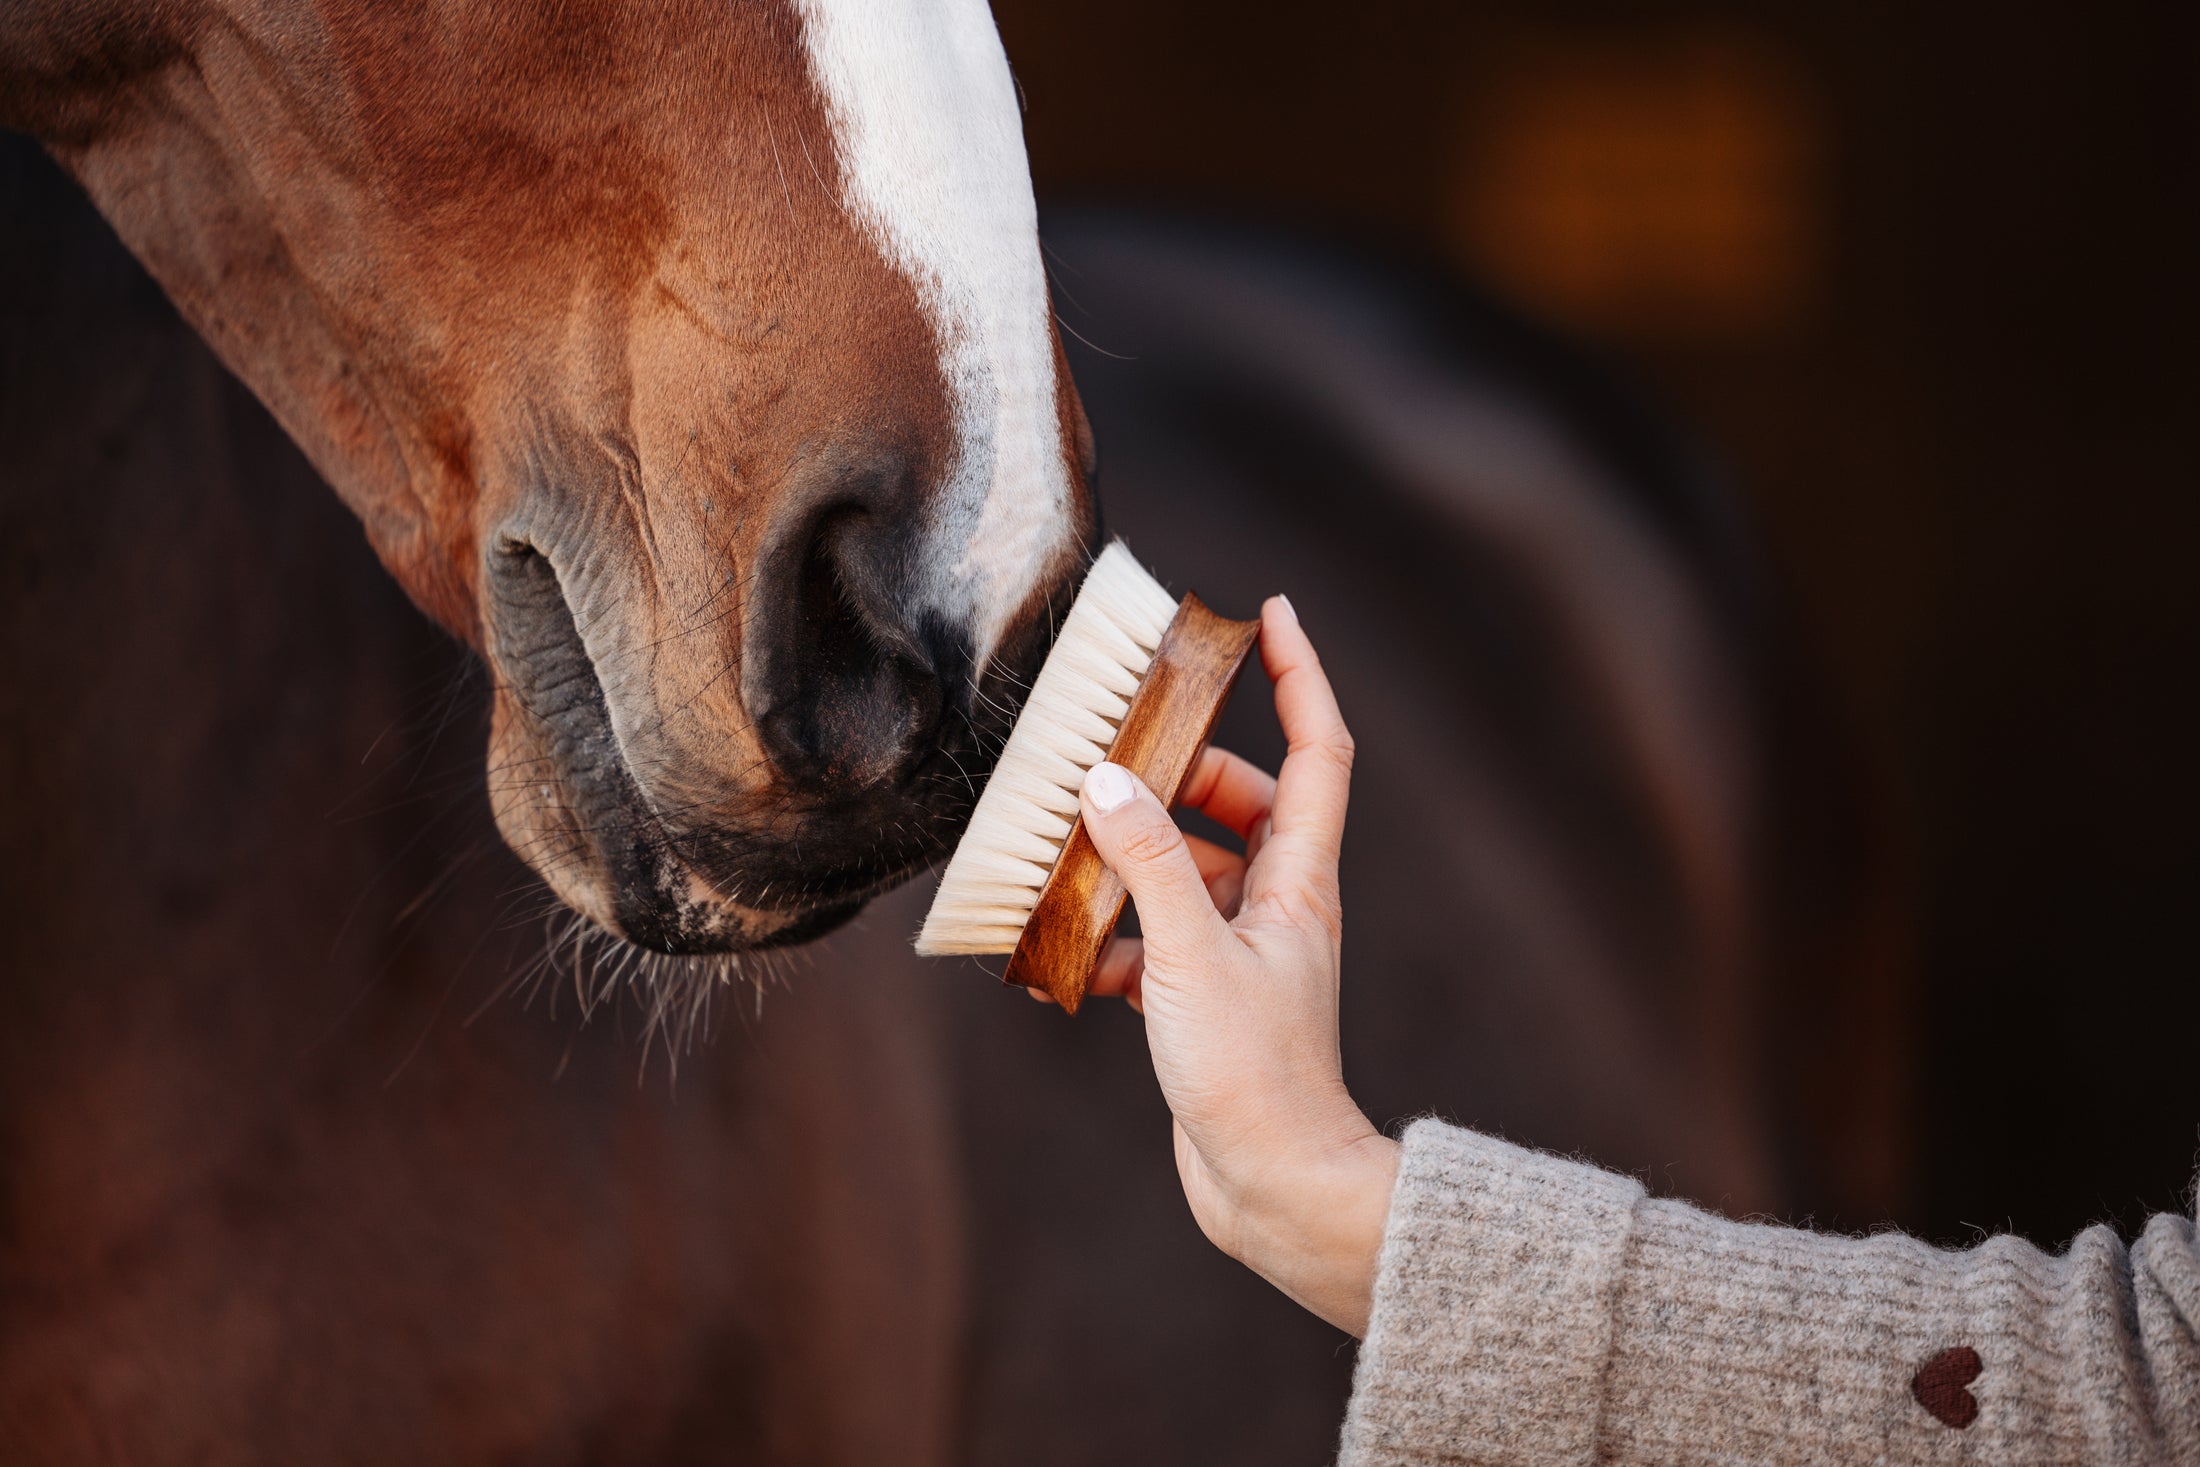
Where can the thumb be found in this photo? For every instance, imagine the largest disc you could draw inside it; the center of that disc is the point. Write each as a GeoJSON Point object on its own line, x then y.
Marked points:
{"type": "Point", "coordinates": [1142, 845]}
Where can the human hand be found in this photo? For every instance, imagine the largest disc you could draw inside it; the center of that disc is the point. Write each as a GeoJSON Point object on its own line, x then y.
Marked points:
{"type": "Point", "coordinates": [1237, 976]}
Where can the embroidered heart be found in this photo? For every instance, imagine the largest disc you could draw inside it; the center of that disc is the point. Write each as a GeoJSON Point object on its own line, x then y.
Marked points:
{"type": "Point", "coordinates": [1939, 1386]}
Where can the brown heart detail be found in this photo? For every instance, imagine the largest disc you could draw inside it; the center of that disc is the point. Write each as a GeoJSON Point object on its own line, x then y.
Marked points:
{"type": "Point", "coordinates": [1939, 1386]}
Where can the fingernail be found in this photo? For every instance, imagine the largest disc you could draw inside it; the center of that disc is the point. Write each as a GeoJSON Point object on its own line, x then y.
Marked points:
{"type": "Point", "coordinates": [1288, 609]}
{"type": "Point", "coordinates": [1109, 787]}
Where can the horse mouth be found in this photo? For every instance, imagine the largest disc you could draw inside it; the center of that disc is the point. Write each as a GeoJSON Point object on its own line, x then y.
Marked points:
{"type": "Point", "coordinates": [788, 867]}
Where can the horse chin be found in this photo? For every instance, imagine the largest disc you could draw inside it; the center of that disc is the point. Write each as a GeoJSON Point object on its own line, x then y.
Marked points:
{"type": "Point", "coordinates": [700, 919]}
{"type": "Point", "coordinates": [681, 894]}
{"type": "Point", "coordinates": [702, 931]}
{"type": "Point", "coordinates": [680, 914]}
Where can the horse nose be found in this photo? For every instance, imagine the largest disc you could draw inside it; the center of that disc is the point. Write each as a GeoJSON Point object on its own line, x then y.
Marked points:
{"type": "Point", "coordinates": [843, 676]}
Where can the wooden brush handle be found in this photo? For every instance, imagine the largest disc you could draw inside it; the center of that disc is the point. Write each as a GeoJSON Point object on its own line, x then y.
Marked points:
{"type": "Point", "coordinates": [1170, 719]}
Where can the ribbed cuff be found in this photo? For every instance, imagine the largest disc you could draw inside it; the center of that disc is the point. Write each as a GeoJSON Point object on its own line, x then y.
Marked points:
{"type": "Point", "coordinates": [1494, 1303]}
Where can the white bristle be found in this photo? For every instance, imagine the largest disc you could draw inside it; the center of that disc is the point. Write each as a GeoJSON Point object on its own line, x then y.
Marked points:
{"type": "Point", "coordinates": [1024, 814]}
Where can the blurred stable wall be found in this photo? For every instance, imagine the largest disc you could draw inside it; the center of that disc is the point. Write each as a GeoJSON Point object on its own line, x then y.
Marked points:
{"type": "Point", "coordinates": [1924, 276]}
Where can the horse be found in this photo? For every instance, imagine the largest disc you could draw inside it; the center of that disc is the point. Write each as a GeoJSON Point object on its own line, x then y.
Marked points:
{"type": "Point", "coordinates": [693, 368]}
{"type": "Point", "coordinates": [288, 1172]}
{"type": "Point", "coordinates": [582, 308]}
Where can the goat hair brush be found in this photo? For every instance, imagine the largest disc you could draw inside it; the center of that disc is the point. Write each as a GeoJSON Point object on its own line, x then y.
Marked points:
{"type": "Point", "coordinates": [1136, 677]}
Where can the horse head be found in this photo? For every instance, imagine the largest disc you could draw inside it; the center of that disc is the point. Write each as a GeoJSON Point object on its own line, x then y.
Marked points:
{"type": "Point", "coordinates": [691, 361]}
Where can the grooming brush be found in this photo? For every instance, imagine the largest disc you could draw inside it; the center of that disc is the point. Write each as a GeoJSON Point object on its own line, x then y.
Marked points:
{"type": "Point", "coordinates": [1136, 677]}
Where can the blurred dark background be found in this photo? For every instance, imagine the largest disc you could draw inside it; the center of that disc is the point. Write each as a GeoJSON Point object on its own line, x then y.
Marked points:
{"type": "Point", "coordinates": [1922, 276]}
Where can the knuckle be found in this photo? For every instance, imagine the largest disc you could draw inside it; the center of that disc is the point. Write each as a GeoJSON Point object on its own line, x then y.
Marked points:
{"type": "Point", "coordinates": [1314, 906]}
{"type": "Point", "coordinates": [1334, 745]}
{"type": "Point", "coordinates": [1149, 845]}
{"type": "Point", "coordinates": [1328, 914]}
{"type": "Point", "coordinates": [1341, 748]}
{"type": "Point", "coordinates": [1317, 904]}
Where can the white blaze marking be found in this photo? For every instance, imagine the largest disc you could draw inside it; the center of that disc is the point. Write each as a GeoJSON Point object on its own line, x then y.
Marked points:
{"type": "Point", "coordinates": [931, 148]}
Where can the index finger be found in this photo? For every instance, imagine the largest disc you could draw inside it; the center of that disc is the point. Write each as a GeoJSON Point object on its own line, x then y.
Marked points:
{"type": "Point", "coordinates": [1315, 782]}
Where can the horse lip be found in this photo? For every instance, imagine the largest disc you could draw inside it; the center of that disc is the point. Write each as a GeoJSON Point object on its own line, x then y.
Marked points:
{"type": "Point", "coordinates": [822, 890]}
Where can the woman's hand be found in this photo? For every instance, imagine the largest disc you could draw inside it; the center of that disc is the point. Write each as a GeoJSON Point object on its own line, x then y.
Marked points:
{"type": "Point", "coordinates": [1237, 977]}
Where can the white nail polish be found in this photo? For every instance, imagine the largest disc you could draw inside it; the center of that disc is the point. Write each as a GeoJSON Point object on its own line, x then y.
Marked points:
{"type": "Point", "coordinates": [1288, 609]}
{"type": "Point", "coordinates": [1109, 787]}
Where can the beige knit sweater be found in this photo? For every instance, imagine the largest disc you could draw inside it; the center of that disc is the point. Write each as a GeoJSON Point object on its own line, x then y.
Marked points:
{"type": "Point", "coordinates": [1535, 1310]}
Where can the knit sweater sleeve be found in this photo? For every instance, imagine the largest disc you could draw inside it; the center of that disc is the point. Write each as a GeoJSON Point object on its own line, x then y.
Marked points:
{"type": "Point", "coordinates": [1538, 1311]}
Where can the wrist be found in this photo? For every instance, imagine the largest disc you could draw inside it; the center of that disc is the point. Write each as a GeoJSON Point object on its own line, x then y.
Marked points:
{"type": "Point", "coordinates": [1312, 1224]}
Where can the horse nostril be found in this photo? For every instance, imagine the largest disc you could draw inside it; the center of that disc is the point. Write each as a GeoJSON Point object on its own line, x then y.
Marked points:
{"type": "Point", "coordinates": [850, 693]}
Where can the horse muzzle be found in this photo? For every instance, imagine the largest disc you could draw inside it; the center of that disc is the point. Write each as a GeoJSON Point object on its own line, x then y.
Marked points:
{"type": "Point", "coordinates": [832, 749]}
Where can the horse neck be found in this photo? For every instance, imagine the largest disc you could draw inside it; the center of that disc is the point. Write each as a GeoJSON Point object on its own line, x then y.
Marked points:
{"type": "Point", "coordinates": [198, 648]}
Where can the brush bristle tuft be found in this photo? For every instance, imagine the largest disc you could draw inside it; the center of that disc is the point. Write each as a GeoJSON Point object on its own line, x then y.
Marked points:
{"type": "Point", "coordinates": [1024, 815]}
